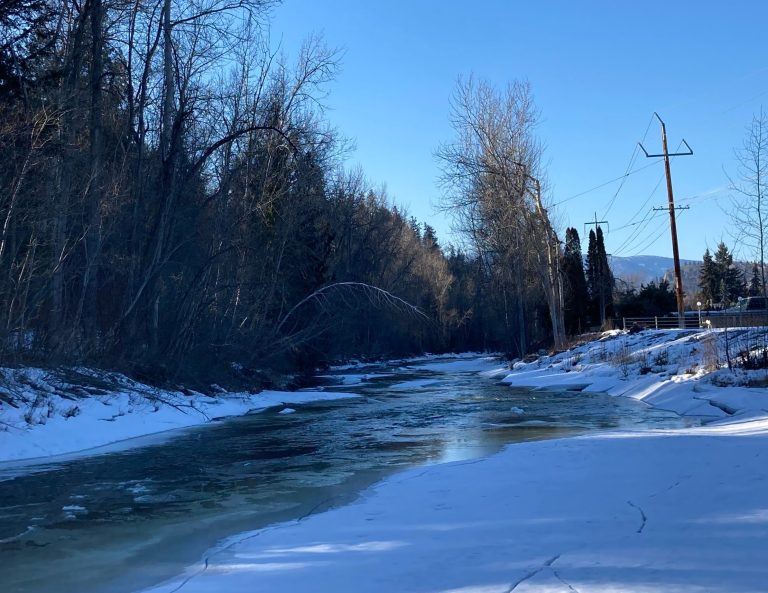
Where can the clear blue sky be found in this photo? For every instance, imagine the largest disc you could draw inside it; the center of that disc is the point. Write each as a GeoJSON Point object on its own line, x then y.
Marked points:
{"type": "Point", "coordinates": [598, 72]}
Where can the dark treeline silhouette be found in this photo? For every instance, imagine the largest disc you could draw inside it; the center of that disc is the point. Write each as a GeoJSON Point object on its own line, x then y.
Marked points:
{"type": "Point", "coordinates": [172, 204]}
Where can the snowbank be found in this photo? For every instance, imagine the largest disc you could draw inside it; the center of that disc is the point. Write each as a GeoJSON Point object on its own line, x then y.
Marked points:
{"type": "Point", "coordinates": [41, 414]}
{"type": "Point", "coordinates": [678, 370]}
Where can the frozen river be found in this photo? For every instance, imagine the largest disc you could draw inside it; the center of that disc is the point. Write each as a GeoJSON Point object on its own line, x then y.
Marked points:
{"type": "Point", "coordinates": [127, 519]}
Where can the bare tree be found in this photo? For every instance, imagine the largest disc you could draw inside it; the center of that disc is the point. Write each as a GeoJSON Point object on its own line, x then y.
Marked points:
{"type": "Point", "coordinates": [749, 203]}
{"type": "Point", "coordinates": [491, 175]}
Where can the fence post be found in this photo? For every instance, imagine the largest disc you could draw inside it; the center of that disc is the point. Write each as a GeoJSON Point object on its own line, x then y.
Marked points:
{"type": "Point", "coordinates": [656, 322]}
{"type": "Point", "coordinates": [624, 323]}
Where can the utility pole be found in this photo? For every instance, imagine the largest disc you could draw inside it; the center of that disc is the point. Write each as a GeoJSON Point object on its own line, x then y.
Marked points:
{"type": "Point", "coordinates": [600, 271]}
{"type": "Point", "coordinates": [553, 284]}
{"type": "Point", "coordinates": [672, 223]}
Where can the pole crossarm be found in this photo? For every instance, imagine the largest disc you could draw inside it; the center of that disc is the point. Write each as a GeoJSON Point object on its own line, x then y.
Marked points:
{"type": "Point", "coordinates": [595, 222]}
{"type": "Point", "coordinates": [689, 152]}
{"type": "Point", "coordinates": [665, 208]}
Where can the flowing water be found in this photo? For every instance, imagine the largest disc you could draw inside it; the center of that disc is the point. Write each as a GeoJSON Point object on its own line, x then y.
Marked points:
{"type": "Point", "coordinates": [130, 518]}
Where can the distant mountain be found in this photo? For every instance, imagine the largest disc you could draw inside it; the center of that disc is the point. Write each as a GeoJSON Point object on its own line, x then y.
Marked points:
{"type": "Point", "coordinates": [642, 269]}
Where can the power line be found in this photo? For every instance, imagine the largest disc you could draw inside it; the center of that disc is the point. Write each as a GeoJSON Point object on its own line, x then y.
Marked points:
{"type": "Point", "coordinates": [628, 243]}
{"type": "Point", "coordinates": [629, 224]}
{"type": "Point", "coordinates": [712, 194]}
{"type": "Point", "coordinates": [629, 166]}
{"type": "Point", "coordinates": [602, 185]}
{"type": "Point", "coordinates": [612, 201]}
{"type": "Point", "coordinates": [661, 230]}
{"type": "Point", "coordinates": [652, 242]}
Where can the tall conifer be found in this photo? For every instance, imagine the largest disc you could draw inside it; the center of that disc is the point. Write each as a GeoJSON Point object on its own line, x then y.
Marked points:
{"type": "Point", "coordinates": [755, 283]}
{"type": "Point", "coordinates": [575, 293]}
{"type": "Point", "coordinates": [599, 278]}
{"type": "Point", "coordinates": [709, 284]}
{"type": "Point", "coordinates": [730, 278]}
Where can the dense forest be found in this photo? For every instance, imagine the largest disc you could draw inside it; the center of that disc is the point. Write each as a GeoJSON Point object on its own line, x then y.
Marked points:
{"type": "Point", "coordinates": [174, 204]}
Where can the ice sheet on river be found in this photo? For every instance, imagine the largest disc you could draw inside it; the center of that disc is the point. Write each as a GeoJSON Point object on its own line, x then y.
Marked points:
{"type": "Point", "coordinates": [673, 511]}
{"type": "Point", "coordinates": [667, 510]}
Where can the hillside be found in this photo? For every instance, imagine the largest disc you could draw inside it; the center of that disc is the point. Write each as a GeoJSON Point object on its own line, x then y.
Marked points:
{"type": "Point", "coordinates": [641, 269]}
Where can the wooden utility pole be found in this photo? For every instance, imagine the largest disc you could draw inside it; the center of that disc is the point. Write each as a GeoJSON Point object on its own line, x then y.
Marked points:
{"type": "Point", "coordinates": [672, 224]}
{"type": "Point", "coordinates": [552, 278]}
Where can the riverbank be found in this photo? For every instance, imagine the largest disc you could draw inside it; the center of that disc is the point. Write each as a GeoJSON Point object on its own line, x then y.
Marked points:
{"type": "Point", "coordinates": [684, 371]}
{"type": "Point", "coordinates": [667, 510]}
{"type": "Point", "coordinates": [45, 414]}
{"type": "Point", "coordinates": [52, 413]}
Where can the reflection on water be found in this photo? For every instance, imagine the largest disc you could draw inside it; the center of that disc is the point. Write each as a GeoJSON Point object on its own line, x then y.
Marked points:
{"type": "Point", "coordinates": [128, 519]}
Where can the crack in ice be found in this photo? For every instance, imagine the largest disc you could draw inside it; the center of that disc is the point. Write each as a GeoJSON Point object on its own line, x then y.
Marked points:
{"type": "Point", "coordinates": [206, 560]}
{"type": "Point", "coordinates": [564, 582]}
{"type": "Point", "coordinates": [533, 573]}
{"type": "Point", "coordinates": [642, 516]}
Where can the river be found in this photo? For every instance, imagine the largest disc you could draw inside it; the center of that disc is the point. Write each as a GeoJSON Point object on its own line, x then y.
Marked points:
{"type": "Point", "coordinates": [124, 520]}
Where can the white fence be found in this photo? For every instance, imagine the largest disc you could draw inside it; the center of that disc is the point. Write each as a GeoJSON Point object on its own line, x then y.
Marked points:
{"type": "Point", "coordinates": [692, 320]}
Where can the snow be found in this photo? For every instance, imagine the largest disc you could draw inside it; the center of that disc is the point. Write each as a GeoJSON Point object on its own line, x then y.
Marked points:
{"type": "Point", "coordinates": [346, 379]}
{"type": "Point", "coordinates": [672, 512]}
{"type": "Point", "coordinates": [415, 384]}
{"type": "Point", "coordinates": [667, 510]}
{"type": "Point", "coordinates": [665, 369]}
{"type": "Point", "coordinates": [54, 418]}
{"type": "Point", "coordinates": [468, 365]}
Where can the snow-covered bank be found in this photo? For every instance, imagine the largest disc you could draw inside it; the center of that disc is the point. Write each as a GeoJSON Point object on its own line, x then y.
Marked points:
{"type": "Point", "coordinates": [463, 361]}
{"type": "Point", "coordinates": [674, 510]}
{"type": "Point", "coordinates": [43, 414]}
{"type": "Point", "coordinates": [684, 371]}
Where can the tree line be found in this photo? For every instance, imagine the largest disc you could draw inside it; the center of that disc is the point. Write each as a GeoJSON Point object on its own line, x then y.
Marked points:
{"type": "Point", "coordinates": [722, 282]}
{"type": "Point", "coordinates": [174, 204]}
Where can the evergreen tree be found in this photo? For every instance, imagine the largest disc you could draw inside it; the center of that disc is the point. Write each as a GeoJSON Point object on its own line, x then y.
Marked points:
{"type": "Point", "coordinates": [429, 238]}
{"type": "Point", "coordinates": [592, 278]}
{"type": "Point", "coordinates": [756, 287]}
{"type": "Point", "coordinates": [729, 278]}
{"type": "Point", "coordinates": [606, 279]}
{"type": "Point", "coordinates": [652, 300]}
{"type": "Point", "coordinates": [599, 278]}
{"type": "Point", "coordinates": [575, 293]}
{"type": "Point", "coordinates": [709, 285]}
